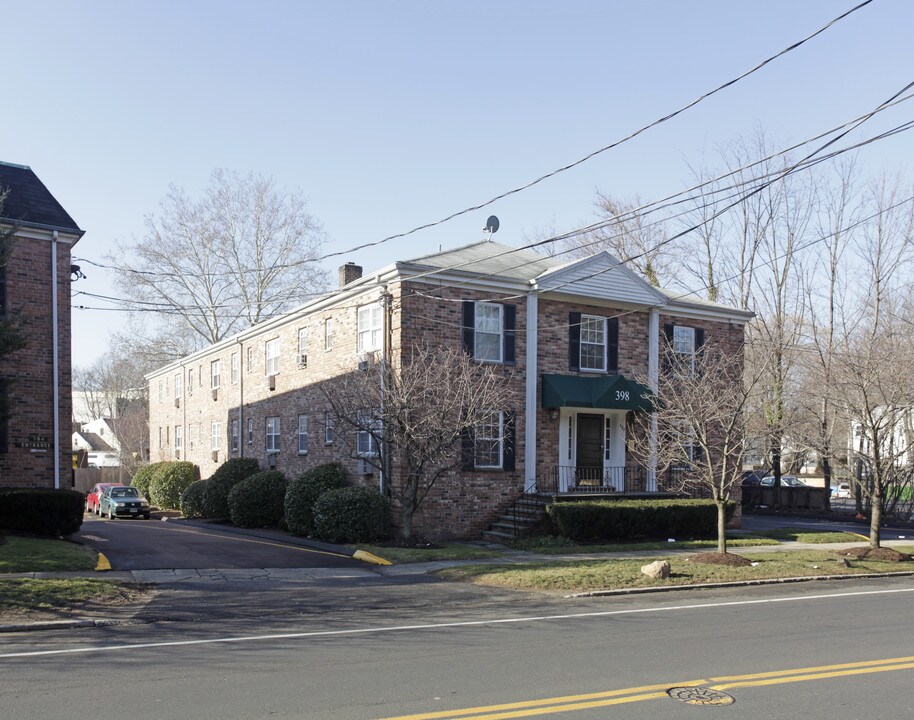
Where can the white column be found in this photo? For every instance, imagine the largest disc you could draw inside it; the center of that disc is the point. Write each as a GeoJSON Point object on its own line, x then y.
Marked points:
{"type": "Point", "coordinates": [530, 398]}
{"type": "Point", "coordinates": [653, 375]}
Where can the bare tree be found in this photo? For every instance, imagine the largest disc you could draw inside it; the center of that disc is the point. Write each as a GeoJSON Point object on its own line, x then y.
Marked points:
{"type": "Point", "coordinates": [701, 411]}
{"type": "Point", "coordinates": [242, 253]}
{"type": "Point", "coordinates": [412, 418]}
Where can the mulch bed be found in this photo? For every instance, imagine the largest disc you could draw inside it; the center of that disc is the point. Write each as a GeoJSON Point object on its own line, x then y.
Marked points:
{"type": "Point", "coordinates": [716, 558]}
{"type": "Point", "coordinates": [868, 553]}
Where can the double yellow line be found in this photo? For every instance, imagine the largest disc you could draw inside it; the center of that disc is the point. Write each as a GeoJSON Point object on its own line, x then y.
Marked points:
{"type": "Point", "coordinates": [570, 703]}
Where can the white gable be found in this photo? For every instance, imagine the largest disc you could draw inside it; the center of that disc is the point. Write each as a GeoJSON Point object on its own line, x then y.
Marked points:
{"type": "Point", "coordinates": [601, 276]}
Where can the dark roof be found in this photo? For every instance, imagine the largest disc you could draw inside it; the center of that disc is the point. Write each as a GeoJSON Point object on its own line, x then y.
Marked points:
{"type": "Point", "coordinates": [96, 443]}
{"type": "Point", "coordinates": [28, 202]}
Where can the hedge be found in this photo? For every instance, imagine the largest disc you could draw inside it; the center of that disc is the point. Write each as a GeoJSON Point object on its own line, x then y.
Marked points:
{"type": "Point", "coordinates": [304, 491]}
{"type": "Point", "coordinates": [169, 481]}
{"type": "Point", "coordinates": [143, 477]}
{"type": "Point", "coordinates": [192, 499]}
{"type": "Point", "coordinates": [41, 511]}
{"type": "Point", "coordinates": [352, 514]}
{"type": "Point", "coordinates": [626, 519]}
{"type": "Point", "coordinates": [258, 501]}
{"type": "Point", "coordinates": [221, 482]}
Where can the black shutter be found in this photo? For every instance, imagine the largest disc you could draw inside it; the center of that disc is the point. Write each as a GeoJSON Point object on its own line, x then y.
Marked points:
{"type": "Point", "coordinates": [469, 327]}
{"type": "Point", "coordinates": [574, 341]}
{"type": "Point", "coordinates": [666, 352]}
{"type": "Point", "coordinates": [510, 442]}
{"type": "Point", "coordinates": [510, 334]}
{"type": "Point", "coordinates": [467, 454]}
{"type": "Point", "coordinates": [612, 345]}
{"type": "Point", "coordinates": [699, 348]}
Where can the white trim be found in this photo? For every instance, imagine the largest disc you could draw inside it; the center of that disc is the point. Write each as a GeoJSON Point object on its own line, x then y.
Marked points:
{"type": "Point", "coordinates": [55, 341]}
{"type": "Point", "coordinates": [653, 378]}
{"type": "Point", "coordinates": [530, 409]}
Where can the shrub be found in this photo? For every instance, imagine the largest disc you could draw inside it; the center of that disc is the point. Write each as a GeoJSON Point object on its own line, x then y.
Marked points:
{"type": "Point", "coordinates": [192, 499]}
{"type": "Point", "coordinates": [352, 514]}
{"type": "Point", "coordinates": [304, 491]}
{"type": "Point", "coordinates": [143, 477]}
{"type": "Point", "coordinates": [170, 480]}
{"type": "Point", "coordinates": [221, 482]}
{"type": "Point", "coordinates": [257, 501]}
{"type": "Point", "coordinates": [41, 511]}
{"type": "Point", "coordinates": [624, 519]}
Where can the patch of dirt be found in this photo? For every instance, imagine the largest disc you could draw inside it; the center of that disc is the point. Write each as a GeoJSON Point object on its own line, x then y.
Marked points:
{"type": "Point", "coordinates": [716, 558]}
{"type": "Point", "coordinates": [867, 553]}
{"type": "Point", "coordinates": [411, 543]}
{"type": "Point", "coordinates": [123, 604]}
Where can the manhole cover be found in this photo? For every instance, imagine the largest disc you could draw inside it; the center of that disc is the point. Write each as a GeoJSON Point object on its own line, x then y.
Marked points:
{"type": "Point", "coordinates": [700, 696]}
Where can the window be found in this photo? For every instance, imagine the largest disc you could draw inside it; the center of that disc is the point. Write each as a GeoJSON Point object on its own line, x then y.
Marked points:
{"type": "Point", "coordinates": [271, 352]}
{"type": "Point", "coordinates": [190, 382]}
{"type": "Point", "coordinates": [235, 361]}
{"type": "Point", "coordinates": [593, 343]}
{"type": "Point", "coordinates": [683, 343]}
{"type": "Point", "coordinates": [250, 431]}
{"type": "Point", "coordinates": [215, 435]}
{"type": "Point", "coordinates": [200, 376]}
{"type": "Point", "coordinates": [250, 359]}
{"type": "Point", "coordinates": [328, 428]}
{"type": "Point", "coordinates": [607, 436]}
{"type": "Point", "coordinates": [235, 434]}
{"type": "Point", "coordinates": [179, 439]}
{"type": "Point", "coordinates": [272, 434]}
{"type": "Point", "coordinates": [168, 434]}
{"type": "Point", "coordinates": [489, 436]}
{"type": "Point", "coordinates": [179, 384]}
{"type": "Point", "coordinates": [488, 332]}
{"type": "Point", "coordinates": [370, 324]}
{"type": "Point", "coordinates": [191, 436]}
{"type": "Point", "coordinates": [302, 434]}
{"type": "Point", "coordinates": [160, 438]}
{"type": "Point", "coordinates": [366, 443]}
{"type": "Point", "coordinates": [215, 369]}
{"type": "Point", "coordinates": [302, 346]}
{"type": "Point", "coordinates": [328, 334]}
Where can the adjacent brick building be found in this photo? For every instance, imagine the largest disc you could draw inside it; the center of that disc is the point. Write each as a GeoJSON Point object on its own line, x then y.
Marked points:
{"type": "Point", "coordinates": [35, 440]}
{"type": "Point", "coordinates": [573, 337]}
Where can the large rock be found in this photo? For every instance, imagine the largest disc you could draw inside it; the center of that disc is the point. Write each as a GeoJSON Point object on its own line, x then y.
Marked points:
{"type": "Point", "coordinates": [659, 570]}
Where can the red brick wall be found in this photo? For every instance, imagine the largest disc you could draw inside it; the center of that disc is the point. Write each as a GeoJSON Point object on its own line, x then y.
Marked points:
{"type": "Point", "coordinates": [31, 369]}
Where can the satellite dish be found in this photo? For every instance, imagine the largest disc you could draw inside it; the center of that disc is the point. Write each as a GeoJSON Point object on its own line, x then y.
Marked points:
{"type": "Point", "coordinates": [491, 224]}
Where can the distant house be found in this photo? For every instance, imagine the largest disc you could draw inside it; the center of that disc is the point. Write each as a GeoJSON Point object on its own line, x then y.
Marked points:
{"type": "Point", "coordinates": [574, 338]}
{"type": "Point", "coordinates": [35, 440]}
{"type": "Point", "coordinates": [100, 443]}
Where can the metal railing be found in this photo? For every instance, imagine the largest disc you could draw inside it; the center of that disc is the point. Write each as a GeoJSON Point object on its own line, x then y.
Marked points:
{"type": "Point", "coordinates": [578, 479]}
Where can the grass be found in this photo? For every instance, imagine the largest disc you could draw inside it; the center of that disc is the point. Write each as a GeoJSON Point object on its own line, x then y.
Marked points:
{"type": "Point", "coordinates": [446, 551]}
{"type": "Point", "coordinates": [29, 594]}
{"type": "Point", "coordinates": [549, 545]}
{"type": "Point", "coordinates": [589, 575]}
{"type": "Point", "coordinates": [804, 535]}
{"type": "Point", "coordinates": [24, 554]}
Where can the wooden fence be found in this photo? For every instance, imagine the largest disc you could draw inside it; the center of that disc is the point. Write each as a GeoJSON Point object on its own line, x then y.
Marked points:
{"type": "Point", "coordinates": [85, 478]}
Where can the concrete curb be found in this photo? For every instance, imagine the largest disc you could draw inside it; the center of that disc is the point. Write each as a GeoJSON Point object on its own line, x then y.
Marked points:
{"type": "Point", "coordinates": [368, 557]}
{"type": "Point", "coordinates": [102, 564]}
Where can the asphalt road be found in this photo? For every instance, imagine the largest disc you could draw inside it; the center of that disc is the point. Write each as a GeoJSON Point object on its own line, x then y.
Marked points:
{"type": "Point", "coordinates": [771, 522]}
{"type": "Point", "coordinates": [136, 544]}
{"type": "Point", "coordinates": [835, 650]}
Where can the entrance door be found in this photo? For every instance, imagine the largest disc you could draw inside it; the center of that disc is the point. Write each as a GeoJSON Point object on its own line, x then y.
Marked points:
{"type": "Point", "coordinates": [589, 470]}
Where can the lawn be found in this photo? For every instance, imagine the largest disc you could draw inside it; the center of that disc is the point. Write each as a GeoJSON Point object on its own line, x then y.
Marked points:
{"type": "Point", "coordinates": [26, 594]}
{"type": "Point", "coordinates": [590, 575]}
{"type": "Point", "coordinates": [805, 535]}
{"type": "Point", "coordinates": [444, 551]}
{"type": "Point", "coordinates": [550, 545]}
{"type": "Point", "coordinates": [25, 554]}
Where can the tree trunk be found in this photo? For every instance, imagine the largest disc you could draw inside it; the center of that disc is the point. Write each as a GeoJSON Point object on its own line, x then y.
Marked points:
{"type": "Point", "coordinates": [721, 526]}
{"type": "Point", "coordinates": [875, 521]}
{"type": "Point", "coordinates": [406, 521]}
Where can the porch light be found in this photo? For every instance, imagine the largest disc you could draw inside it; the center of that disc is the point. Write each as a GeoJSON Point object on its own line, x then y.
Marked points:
{"type": "Point", "coordinates": [554, 414]}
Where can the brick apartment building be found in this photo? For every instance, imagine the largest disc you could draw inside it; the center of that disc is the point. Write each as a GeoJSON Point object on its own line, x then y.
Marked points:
{"type": "Point", "coordinates": [35, 441]}
{"type": "Point", "coordinates": [577, 335]}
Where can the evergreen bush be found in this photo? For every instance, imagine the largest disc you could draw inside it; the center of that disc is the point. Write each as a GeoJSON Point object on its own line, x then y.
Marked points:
{"type": "Point", "coordinates": [169, 482]}
{"type": "Point", "coordinates": [143, 477]}
{"type": "Point", "coordinates": [192, 499]}
{"type": "Point", "coordinates": [304, 491]}
{"type": "Point", "coordinates": [41, 511]}
{"type": "Point", "coordinates": [258, 501]}
{"type": "Point", "coordinates": [221, 482]}
{"type": "Point", "coordinates": [352, 514]}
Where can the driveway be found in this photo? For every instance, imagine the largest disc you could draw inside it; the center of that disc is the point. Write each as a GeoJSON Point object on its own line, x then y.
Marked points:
{"type": "Point", "coordinates": [137, 544]}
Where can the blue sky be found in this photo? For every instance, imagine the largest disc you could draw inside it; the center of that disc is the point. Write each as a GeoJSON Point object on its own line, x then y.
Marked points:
{"type": "Point", "coordinates": [388, 115]}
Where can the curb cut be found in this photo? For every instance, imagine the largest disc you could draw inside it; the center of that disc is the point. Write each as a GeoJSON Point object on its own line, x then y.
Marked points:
{"type": "Point", "coordinates": [736, 583]}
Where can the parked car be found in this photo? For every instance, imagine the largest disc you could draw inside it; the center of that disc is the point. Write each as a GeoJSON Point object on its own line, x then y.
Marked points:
{"type": "Point", "coordinates": [123, 501]}
{"type": "Point", "coordinates": [787, 481]}
{"type": "Point", "coordinates": [94, 496]}
{"type": "Point", "coordinates": [751, 478]}
{"type": "Point", "coordinates": [843, 490]}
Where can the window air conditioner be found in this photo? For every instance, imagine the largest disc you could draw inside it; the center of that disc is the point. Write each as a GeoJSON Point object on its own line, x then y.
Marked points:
{"type": "Point", "coordinates": [215, 393]}
{"type": "Point", "coordinates": [271, 382]}
{"type": "Point", "coordinates": [215, 456]}
{"type": "Point", "coordinates": [177, 402]}
{"type": "Point", "coordinates": [303, 360]}
{"type": "Point", "coordinates": [363, 467]}
{"type": "Point", "coordinates": [367, 358]}
{"type": "Point", "coordinates": [271, 459]}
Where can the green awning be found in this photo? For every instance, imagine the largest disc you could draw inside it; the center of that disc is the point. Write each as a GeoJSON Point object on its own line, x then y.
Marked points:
{"type": "Point", "coordinates": [609, 392]}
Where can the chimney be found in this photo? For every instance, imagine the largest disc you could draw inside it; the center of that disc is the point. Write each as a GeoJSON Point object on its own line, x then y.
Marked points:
{"type": "Point", "coordinates": [349, 273]}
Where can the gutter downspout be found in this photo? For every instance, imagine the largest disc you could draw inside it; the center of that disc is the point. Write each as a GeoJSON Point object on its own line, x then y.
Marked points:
{"type": "Point", "coordinates": [240, 402]}
{"type": "Point", "coordinates": [55, 360]}
{"type": "Point", "coordinates": [653, 377]}
{"type": "Point", "coordinates": [530, 398]}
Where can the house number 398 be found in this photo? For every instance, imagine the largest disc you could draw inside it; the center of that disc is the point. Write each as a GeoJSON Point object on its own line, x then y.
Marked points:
{"type": "Point", "coordinates": [622, 395]}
